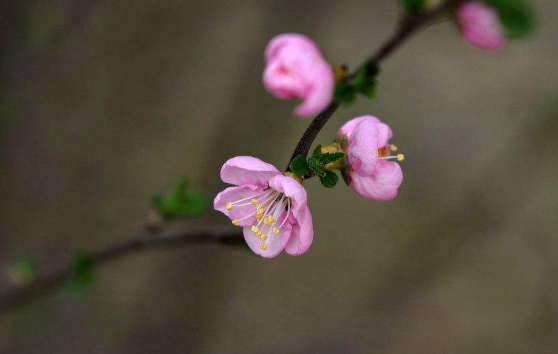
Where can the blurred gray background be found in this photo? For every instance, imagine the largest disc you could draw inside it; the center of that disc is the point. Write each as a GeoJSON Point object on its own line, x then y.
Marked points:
{"type": "Point", "coordinates": [104, 103]}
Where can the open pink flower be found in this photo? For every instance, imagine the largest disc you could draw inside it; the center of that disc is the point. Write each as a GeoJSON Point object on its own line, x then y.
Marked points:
{"type": "Point", "coordinates": [370, 172]}
{"type": "Point", "coordinates": [270, 206]}
{"type": "Point", "coordinates": [481, 26]}
{"type": "Point", "coordinates": [295, 68]}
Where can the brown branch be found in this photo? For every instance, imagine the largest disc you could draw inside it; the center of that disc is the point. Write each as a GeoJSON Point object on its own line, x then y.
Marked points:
{"type": "Point", "coordinates": [156, 238]}
{"type": "Point", "coordinates": [150, 238]}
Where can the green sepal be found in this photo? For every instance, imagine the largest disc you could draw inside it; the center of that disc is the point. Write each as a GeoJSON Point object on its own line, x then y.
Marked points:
{"type": "Point", "coordinates": [331, 157]}
{"type": "Point", "coordinates": [299, 166]}
{"type": "Point", "coordinates": [329, 180]}
{"type": "Point", "coordinates": [317, 151]}
{"type": "Point", "coordinates": [316, 166]}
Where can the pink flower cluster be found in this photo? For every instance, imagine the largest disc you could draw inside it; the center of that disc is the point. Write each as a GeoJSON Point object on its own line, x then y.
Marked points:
{"type": "Point", "coordinates": [295, 68]}
{"type": "Point", "coordinates": [480, 25]}
{"type": "Point", "coordinates": [271, 206]}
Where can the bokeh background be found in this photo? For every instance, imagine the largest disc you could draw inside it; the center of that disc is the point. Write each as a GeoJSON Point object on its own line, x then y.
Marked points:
{"type": "Point", "coordinates": [104, 103]}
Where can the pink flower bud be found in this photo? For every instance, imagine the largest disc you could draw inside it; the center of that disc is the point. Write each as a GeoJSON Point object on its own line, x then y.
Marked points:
{"type": "Point", "coordinates": [295, 68]}
{"type": "Point", "coordinates": [480, 26]}
{"type": "Point", "coordinates": [372, 171]}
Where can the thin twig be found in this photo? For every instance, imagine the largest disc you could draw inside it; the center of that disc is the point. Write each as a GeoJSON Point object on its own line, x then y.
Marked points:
{"type": "Point", "coordinates": [155, 238]}
{"type": "Point", "coordinates": [147, 240]}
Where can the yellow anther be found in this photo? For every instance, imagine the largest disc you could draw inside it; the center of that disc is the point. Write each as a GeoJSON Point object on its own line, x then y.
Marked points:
{"type": "Point", "coordinates": [259, 217]}
{"type": "Point", "coordinates": [254, 228]}
{"type": "Point", "coordinates": [400, 157]}
{"type": "Point", "coordinates": [259, 233]}
{"type": "Point", "coordinates": [259, 212]}
{"type": "Point", "coordinates": [229, 206]}
{"type": "Point", "coordinates": [263, 237]}
{"type": "Point", "coordinates": [269, 220]}
{"type": "Point", "coordinates": [276, 231]}
{"type": "Point", "coordinates": [393, 148]}
{"type": "Point", "coordinates": [235, 222]}
{"type": "Point", "coordinates": [263, 246]}
{"type": "Point", "coordinates": [255, 202]}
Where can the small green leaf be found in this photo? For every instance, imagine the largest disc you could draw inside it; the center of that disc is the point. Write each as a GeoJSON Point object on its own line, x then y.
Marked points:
{"type": "Point", "coordinates": [365, 82]}
{"type": "Point", "coordinates": [329, 180]}
{"type": "Point", "coordinates": [345, 93]}
{"type": "Point", "coordinates": [24, 271]}
{"type": "Point", "coordinates": [180, 203]}
{"type": "Point", "coordinates": [316, 166]}
{"type": "Point", "coordinates": [517, 16]}
{"type": "Point", "coordinates": [299, 166]}
{"type": "Point", "coordinates": [82, 276]}
{"type": "Point", "coordinates": [317, 151]}
{"type": "Point", "coordinates": [412, 6]}
{"type": "Point", "coordinates": [331, 157]}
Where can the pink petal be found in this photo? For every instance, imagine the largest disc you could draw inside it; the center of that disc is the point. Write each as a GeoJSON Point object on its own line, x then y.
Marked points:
{"type": "Point", "coordinates": [384, 134]}
{"type": "Point", "coordinates": [295, 68]}
{"type": "Point", "coordinates": [481, 26]}
{"type": "Point", "coordinates": [233, 194]}
{"type": "Point", "coordinates": [363, 147]}
{"type": "Point", "coordinates": [382, 185]}
{"type": "Point", "coordinates": [320, 94]}
{"type": "Point", "coordinates": [275, 243]}
{"type": "Point", "coordinates": [247, 170]}
{"type": "Point", "coordinates": [302, 234]}
{"type": "Point", "coordinates": [291, 189]}
{"type": "Point", "coordinates": [289, 39]}
{"type": "Point", "coordinates": [282, 82]}
{"type": "Point", "coordinates": [348, 128]}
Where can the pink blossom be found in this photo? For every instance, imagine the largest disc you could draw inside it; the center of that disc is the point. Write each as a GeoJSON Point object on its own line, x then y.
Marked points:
{"type": "Point", "coordinates": [270, 206]}
{"type": "Point", "coordinates": [295, 68]}
{"type": "Point", "coordinates": [480, 25]}
{"type": "Point", "coordinates": [371, 173]}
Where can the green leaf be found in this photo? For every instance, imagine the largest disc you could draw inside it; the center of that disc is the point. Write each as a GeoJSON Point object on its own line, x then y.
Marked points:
{"type": "Point", "coordinates": [517, 16]}
{"type": "Point", "coordinates": [24, 271]}
{"type": "Point", "coordinates": [345, 93]}
{"type": "Point", "coordinates": [329, 180]}
{"type": "Point", "coordinates": [317, 151]}
{"type": "Point", "coordinates": [299, 166]}
{"type": "Point", "coordinates": [331, 157]}
{"type": "Point", "coordinates": [316, 166]}
{"type": "Point", "coordinates": [412, 6]}
{"type": "Point", "coordinates": [365, 82]}
{"type": "Point", "coordinates": [81, 276]}
{"type": "Point", "coordinates": [180, 203]}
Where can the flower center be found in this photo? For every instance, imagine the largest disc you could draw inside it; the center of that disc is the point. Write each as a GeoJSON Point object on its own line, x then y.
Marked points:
{"type": "Point", "coordinates": [384, 153]}
{"type": "Point", "coordinates": [271, 212]}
